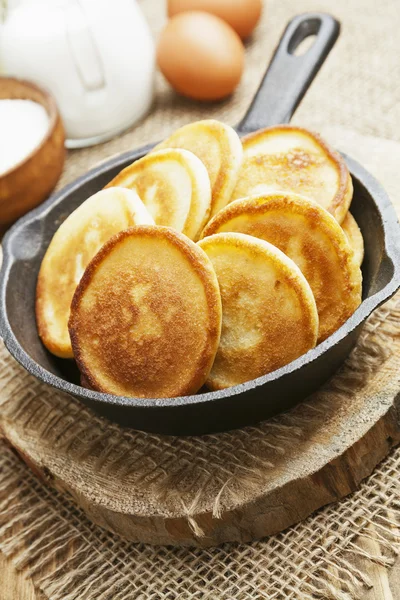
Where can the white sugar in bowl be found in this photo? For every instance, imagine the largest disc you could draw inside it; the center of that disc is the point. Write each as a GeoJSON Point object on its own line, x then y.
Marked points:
{"type": "Point", "coordinates": [97, 57]}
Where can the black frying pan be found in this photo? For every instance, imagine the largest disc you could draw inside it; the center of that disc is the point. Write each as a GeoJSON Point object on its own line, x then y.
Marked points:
{"type": "Point", "coordinates": [280, 92]}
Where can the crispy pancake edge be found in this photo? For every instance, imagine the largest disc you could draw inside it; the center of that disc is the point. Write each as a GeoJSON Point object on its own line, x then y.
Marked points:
{"type": "Point", "coordinates": [354, 235]}
{"type": "Point", "coordinates": [203, 269]}
{"type": "Point", "coordinates": [61, 351]}
{"type": "Point", "coordinates": [344, 194]}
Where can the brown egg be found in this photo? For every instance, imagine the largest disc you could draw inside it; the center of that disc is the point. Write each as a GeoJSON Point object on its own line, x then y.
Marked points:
{"type": "Point", "coordinates": [242, 15]}
{"type": "Point", "coordinates": [200, 55]}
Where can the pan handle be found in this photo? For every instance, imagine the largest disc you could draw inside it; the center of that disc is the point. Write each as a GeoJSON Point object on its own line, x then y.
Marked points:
{"type": "Point", "coordinates": [289, 76]}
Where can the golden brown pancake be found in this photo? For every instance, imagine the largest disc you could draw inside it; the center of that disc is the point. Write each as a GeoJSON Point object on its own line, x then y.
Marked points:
{"type": "Point", "coordinates": [354, 236]}
{"type": "Point", "coordinates": [312, 238]}
{"type": "Point", "coordinates": [269, 316]}
{"type": "Point", "coordinates": [146, 316]}
{"type": "Point", "coordinates": [218, 146]}
{"type": "Point", "coordinates": [73, 246]}
{"type": "Point", "coordinates": [174, 186]}
{"type": "Point", "coordinates": [292, 159]}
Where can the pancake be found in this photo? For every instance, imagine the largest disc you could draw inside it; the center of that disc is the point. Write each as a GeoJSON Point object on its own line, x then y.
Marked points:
{"type": "Point", "coordinates": [174, 186]}
{"type": "Point", "coordinates": [354, 237]}
{"type": "Point", "coordinates": [291, 159]}
{"type": "Point", "coordinates": [146, 316]}
{"type": "Point", "coordinates": [312, 238]}
{"type": "Point", "coordinates": [269, 316]}
{"type": "Point", "coordinates": [218, 146]}
{"type": "Point", "coordinates": [73, 246]}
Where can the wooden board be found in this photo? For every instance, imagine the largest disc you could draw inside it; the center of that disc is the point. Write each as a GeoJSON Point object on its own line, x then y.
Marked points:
{"type": "Point", "coordinates": [277, 475]}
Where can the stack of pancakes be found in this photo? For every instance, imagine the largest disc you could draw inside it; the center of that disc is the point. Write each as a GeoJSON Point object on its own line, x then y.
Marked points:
{"type": "Point", "coordinates": [210, 261]}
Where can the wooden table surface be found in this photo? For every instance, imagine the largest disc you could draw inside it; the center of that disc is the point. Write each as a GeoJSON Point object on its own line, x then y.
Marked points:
{"type": "Point", "coordinates": [13, 586]}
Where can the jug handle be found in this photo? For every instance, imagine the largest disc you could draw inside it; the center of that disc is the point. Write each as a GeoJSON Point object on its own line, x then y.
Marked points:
{"type": "Point", "coordinates": [84, 51]}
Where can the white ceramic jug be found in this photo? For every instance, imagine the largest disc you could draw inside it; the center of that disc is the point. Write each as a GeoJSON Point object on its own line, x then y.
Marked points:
{"type": "Point", "coordinates": [96, 56]}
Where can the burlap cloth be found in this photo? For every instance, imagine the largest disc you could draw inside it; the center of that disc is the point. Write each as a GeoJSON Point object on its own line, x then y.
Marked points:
{"type": "Point", "coordinates": [357, 88]}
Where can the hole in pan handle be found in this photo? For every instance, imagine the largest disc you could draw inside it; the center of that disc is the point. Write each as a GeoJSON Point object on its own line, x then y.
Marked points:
{"type": "Point", "coordinates": [288, 76]}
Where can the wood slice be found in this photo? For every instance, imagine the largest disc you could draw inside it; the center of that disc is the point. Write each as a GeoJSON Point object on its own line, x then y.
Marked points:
{"type": "Point", "coordinates": [237, 486]}
{"type": "Point", "coordinates": [207, 490]}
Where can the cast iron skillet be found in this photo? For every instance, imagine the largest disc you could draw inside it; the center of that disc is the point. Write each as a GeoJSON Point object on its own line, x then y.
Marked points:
{"type": "Point", "coordinates": [284, 85]}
